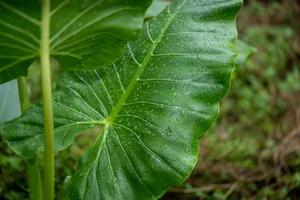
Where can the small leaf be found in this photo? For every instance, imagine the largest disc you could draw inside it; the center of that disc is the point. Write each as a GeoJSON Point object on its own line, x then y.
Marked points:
{"type": "Point", "coordinates": [153, 105]}
{"type": "Point", "coordinates": [244, 52]}
{"type": "Point", "coordinates": [84, 34]}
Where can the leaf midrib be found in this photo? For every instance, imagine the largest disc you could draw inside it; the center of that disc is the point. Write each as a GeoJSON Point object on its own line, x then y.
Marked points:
{"type": "Point", "coordinates": [142, 68]}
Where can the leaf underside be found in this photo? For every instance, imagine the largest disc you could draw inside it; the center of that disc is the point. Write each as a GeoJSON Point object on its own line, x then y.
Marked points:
{"type": "Point", "coordinates": [153, 104]}
{"type": "Point", "coordinates": [84, 34]}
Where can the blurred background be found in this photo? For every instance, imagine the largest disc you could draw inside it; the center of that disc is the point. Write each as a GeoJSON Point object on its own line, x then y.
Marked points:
{"type": "Point", "coordinates": [253, 151]}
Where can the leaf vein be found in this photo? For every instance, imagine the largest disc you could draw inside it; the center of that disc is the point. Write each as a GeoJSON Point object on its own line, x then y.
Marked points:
{"type": "Point", "coordinates": [55, 10]}
{"type": "Point", "coordinates": [105, 88]}
{"type": "Point", "coordinates": [6, 67]}
{"type": "Point", "coordinates": [23, 31]}
{"type": "Point", "coordinates": [130, 162]}
{"type": "Point", "coordinates": [146, 121]}
{"type": "Point", "coordinates": [20, 13]}
{"type": "Point", "coordinates": [149, 34]}
{"type": "Point", "coordinates": [15, 47]}
{"type": "Point", "coordinates": [132, 56]}
{"type": "Point", "coordinates": [78, 16]}
{"type": "Point", "coordinates": [118, 77]}
{"type": "Point", "coordinates": [7, 35]}
{"type": "Point", "coordinates": [112, 170]}
{"type": "Point", "coordinates": [149, 150]}
{"type": "Point", "coordinates": [74, 110]}
{"type": "Point", "coordinates": [85, 26]}
{"type": "Point", "coordinates": [163, 106]}
{"type": "Point", "coordinates": [143, 66]}
{"type": "Point", "coordinates": [85, 102]}
{"type": "Point", "coordinates": [94, 93]}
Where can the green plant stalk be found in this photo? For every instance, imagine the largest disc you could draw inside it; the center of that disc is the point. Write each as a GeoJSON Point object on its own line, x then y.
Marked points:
{"type": "Point", "coordinates": [33, 170]}
{"type": "Point", "coordinates": [23, 93]}
{"type": "Point", "coordinates": [34, 180]}
{"type": "Point", "coordinates": [47, 103]}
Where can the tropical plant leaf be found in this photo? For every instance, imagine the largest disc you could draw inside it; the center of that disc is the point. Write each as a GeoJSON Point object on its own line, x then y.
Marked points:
{"type": "Point", "coordinates": [84, 34]}
{"type": "Point", "coordinates": [152, 105]}
{"type": "Point", "coordinates": [244, 52]}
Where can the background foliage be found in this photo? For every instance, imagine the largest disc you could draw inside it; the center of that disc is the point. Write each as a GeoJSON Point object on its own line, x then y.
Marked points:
{"type": "Point", "coordinates": [253, 152]}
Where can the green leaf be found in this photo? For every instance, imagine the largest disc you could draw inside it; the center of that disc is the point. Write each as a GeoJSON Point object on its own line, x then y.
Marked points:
{"type": "Point", "coordinates": [152, 105]}
{"type": "Point", "coordinates": [244, 52]}
{"type": "Point", "coordinates": [84, 34]}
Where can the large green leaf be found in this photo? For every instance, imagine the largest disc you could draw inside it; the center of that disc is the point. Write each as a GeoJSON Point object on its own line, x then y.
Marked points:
{"type": "Point", "coordinates": [153, 105]}
{"type": "Point", "coordinates": [84, 34]}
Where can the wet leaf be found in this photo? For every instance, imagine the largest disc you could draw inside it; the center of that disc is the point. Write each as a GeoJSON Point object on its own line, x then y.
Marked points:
{"type": "Point", "coordinates": [153, 105]}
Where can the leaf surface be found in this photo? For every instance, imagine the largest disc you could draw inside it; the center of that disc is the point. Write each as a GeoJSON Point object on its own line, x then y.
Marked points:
{"type": "Point", "coordinates": [84, 34]}
{"type": "Point", "coordinates": [153, 105]}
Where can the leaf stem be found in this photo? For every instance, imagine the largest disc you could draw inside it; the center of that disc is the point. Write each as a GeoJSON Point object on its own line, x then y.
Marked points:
{"type": "Point", "coordinates": [34, 180]}
{"type": "Point", "coordinates": [47, 103]}
{"type": "Point", "coordinates": [33, 170]}
{"type": "Point", "coordinates": [23, 93]}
